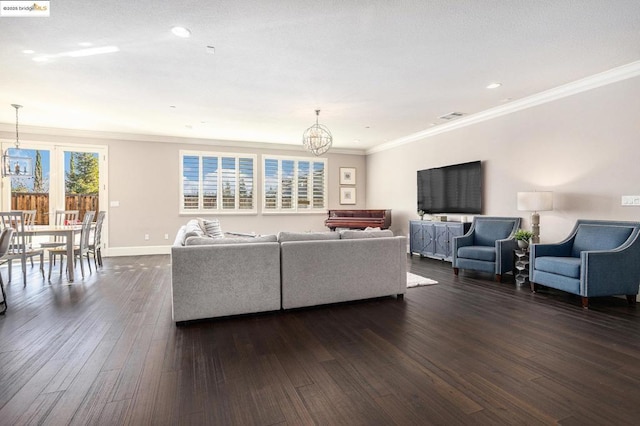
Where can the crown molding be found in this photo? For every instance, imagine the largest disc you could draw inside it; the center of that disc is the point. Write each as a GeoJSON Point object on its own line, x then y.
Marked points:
{"type": "Point", "coordinates": [32, 132]}
{"type": "Point", "coordinates": [614, 75]}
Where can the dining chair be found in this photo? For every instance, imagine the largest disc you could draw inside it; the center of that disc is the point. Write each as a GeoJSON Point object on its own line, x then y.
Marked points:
{"type": "Point", "coordinates": [29, 220]}
{"type": "Point", "coordinates": [19, 249]}
{"type": "Point", "coordinates": [94, 246]}
{"type": "Point", "coordinates": [5, 241]}
{"type": "Point", "coordinates": [79, 250]}
{"type": "Point", "coordinates": [60, 218]}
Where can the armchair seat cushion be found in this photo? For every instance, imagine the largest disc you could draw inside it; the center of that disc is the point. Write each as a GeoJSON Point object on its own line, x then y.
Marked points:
{"type": "Point", "coordinates": [566, 266]}
{"type": "Point", "coordinates": [485, 253]}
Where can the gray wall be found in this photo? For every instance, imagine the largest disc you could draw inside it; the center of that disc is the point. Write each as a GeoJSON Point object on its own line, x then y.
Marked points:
{"type": "Point", "coordinates": [144, 179]}
{"type": "Point", "coordinates": [584, 148]}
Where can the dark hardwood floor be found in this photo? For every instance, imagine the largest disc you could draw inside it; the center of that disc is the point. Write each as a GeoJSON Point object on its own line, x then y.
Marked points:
{"type": "Point", "coordinates": [465, 351]}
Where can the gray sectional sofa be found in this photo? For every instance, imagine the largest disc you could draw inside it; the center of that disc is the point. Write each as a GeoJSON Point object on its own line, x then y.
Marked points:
{"type": "Point", "coordinates": [214, 277]}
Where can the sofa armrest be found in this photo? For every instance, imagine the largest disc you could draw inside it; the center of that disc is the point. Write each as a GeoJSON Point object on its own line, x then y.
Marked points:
{"type": "Point", "coordinates": [463, 241]}
{"type": "Point", "coordinates": [504, 251]}
{"type": "Point", "coordinates": [611, 272]}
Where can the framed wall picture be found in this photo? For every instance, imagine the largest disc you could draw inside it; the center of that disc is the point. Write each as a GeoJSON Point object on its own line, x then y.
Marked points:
{"type": "Point", "coordinates": [347, 175]}
{"type": "Point", "coordinates": [347, 195]}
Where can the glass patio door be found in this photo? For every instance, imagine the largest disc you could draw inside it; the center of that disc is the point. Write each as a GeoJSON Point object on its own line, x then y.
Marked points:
{"type": "Point", "coordinates": [81, 180]}
{"type": "Point", "coordinates": [63, 177]}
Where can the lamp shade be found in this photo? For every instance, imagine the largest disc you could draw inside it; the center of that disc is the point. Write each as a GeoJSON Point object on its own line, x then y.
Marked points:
{"type": "Point", "coordinates": [535, 201]}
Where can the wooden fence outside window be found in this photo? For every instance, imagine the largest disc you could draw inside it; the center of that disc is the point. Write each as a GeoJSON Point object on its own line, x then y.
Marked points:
{"type": "Point", "coordinates": [40, 203]}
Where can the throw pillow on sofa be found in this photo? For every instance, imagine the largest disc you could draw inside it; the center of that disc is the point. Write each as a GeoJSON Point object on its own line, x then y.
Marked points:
{"type": "Point", "coordinates": [211, 227]}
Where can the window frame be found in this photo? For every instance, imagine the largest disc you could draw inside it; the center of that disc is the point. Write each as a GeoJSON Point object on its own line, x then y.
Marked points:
{"type": "Point", "coordinates": [219, 210]}
{"type": "Point", "coordinates": [294, 186]}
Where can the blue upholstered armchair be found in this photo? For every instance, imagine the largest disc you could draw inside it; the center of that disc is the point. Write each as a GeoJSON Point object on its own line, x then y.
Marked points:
{"type": "Point", "coordinates": [488, 246]}
{"type": "Point", "coordinates": [599, 258]}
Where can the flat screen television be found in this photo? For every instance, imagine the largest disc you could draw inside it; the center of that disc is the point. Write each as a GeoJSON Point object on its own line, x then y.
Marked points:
{"type": "Point", "coordinates": [451, 189]}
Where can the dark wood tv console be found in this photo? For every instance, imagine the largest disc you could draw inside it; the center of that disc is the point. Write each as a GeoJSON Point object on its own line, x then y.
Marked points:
{"type": "Point", "coordinates": [358, 219]}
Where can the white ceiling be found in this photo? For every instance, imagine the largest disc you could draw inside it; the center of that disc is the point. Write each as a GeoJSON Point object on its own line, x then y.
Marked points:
{"type": "Point", "coordinates": [378, 70]}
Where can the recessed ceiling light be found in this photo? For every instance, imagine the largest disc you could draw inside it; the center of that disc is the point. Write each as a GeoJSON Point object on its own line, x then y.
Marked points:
{"type": "Point", "coordinates": [181, 32]}
{"type": "Point", "coordinates": [28, 51]}
{"type": "Point", "coordinates": [494, 85]}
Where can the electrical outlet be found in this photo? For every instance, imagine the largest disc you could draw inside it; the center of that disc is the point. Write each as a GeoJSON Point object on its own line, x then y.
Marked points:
{"type": "Point", "coordinates": [146, 237]}
{"type": "Point", "coordinates": [631, 200]}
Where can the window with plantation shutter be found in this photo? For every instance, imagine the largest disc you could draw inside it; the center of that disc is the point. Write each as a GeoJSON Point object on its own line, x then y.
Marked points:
{"type": "Point", "coordinates": [217, 182]}
{"type": "Point", "coordinates": [294, 185]}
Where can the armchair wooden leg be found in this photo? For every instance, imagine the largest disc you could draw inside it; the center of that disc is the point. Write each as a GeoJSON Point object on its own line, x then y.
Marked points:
{"type": "Point", "coordinates": [455, 271]}
{"type": "Point", "coordinates": [585, 302]}
{"type": "Point", "coordinates": [533, 286]}
{"type": "Point", "coordinates": [499, 278]}
{"type": "Point", "coordinates": [631, 299]}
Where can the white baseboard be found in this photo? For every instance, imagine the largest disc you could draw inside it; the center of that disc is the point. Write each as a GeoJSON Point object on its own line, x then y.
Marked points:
{"type": "Point", "coordinates": [136, 251]}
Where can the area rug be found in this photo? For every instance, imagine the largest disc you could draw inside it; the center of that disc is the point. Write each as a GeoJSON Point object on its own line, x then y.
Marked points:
{"type": "Point", "coordinates": [414, 280]}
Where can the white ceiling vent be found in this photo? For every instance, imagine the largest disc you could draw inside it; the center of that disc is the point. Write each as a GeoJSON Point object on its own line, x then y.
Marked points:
{"type": "Point", "coordinates": [451, 116]}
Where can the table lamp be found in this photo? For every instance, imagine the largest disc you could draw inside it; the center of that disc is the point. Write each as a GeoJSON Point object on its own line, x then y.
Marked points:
{"type": "Point", "coordinates": [535, 202]}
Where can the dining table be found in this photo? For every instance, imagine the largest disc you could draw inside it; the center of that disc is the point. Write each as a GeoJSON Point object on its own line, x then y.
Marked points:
{"type": "Point", "coordinates": [67, 231]}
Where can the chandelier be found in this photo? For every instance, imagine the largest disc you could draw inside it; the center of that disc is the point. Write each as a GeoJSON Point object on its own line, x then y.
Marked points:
{"type": "Point", "coordinates": [15, 165]}
{"type": "Point", "coordinates": [317, 138]}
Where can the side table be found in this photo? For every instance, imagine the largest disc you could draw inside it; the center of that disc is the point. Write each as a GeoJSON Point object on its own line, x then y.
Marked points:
{"type": "Point", "coordinates": [522, 266]}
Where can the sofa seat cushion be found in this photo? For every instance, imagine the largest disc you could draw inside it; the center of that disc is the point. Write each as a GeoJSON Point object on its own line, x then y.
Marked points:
{"type": "Point", "coordinates": [567, 266]}
{"type": "Point", "coordinates": [484, 253]}
{"type": "Point", "coordinates": [307, 236]}
{"type": "Point", "coordinates": [599, 237]}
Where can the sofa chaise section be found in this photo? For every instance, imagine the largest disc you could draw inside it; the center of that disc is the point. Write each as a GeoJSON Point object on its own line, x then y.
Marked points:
{"type": "Point", "coordinates": [224, 279]}
{"type": "Point", "coordinates": [338, 270]}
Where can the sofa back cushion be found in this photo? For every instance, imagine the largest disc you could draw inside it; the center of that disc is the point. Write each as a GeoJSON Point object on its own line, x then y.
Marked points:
{"type": "Point", "coordinates": [356, 235]}
{"type": "Point", "coordinates": [207, 241]}
{"type": "Point", "coordinates": [599, 237]}
{"type": "Point", "coordinates": [307, 236]}
{"type": "Point", "coordinates": [488, 231]}
{"type": "Point", "coordinates": [193, 229]}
